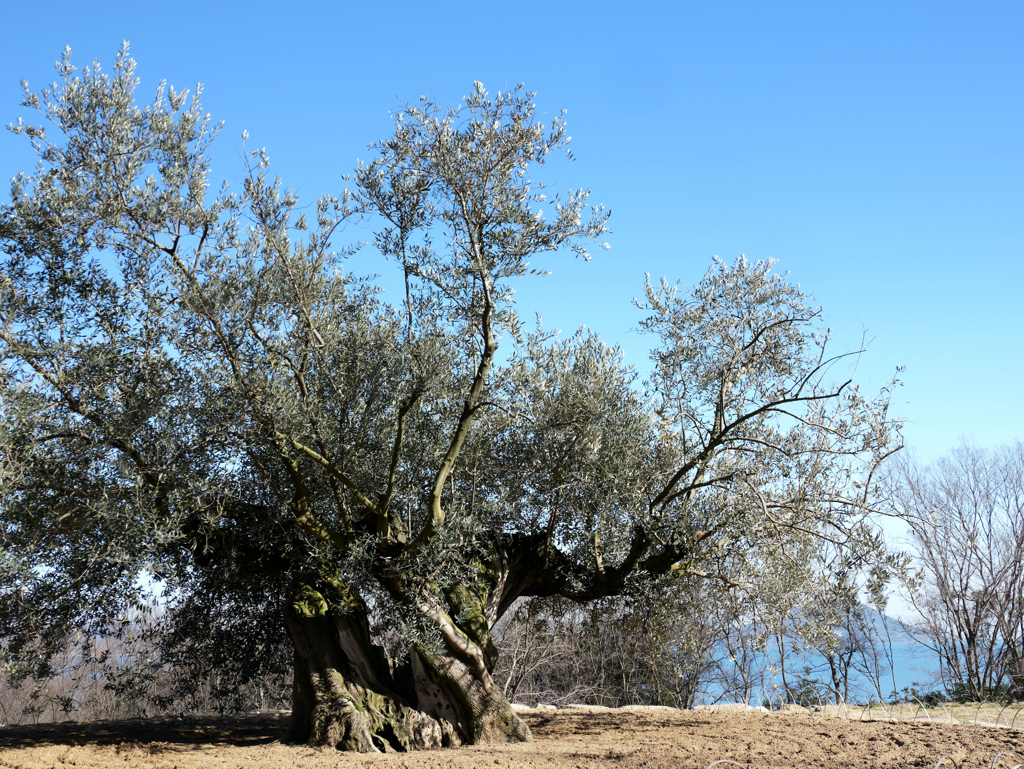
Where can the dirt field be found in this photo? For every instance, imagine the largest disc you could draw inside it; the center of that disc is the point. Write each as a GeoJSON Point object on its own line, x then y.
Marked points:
{"type": "Point", "coordinates": [650, 738]}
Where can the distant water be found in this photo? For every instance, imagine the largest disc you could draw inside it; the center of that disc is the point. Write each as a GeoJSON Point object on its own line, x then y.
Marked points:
{"type": "Point", "coordinates": [913, 666]}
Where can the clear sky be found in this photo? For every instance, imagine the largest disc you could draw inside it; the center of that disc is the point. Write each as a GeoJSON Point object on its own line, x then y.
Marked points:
{"type": "Point", "coordinates": [873, 148]}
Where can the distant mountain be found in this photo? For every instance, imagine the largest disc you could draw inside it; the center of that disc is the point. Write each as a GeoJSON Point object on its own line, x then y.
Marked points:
{"type": "Point", "coordinates": [896, 632]}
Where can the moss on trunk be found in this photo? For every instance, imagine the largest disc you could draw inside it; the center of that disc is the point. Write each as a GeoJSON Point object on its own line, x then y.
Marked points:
{"type": "Point", "coordinates": [347, 694]}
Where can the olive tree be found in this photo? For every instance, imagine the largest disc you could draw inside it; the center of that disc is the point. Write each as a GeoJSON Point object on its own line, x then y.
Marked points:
{"type": "Point", "coordinates": [196, 388]}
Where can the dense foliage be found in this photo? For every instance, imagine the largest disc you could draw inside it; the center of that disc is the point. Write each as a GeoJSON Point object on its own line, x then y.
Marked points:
{"type": "Point", "coordinates": [196, 391]}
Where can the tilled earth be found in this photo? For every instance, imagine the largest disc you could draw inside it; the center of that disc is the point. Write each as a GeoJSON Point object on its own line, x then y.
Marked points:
{"type": "Point", "coordinates": [574, 737]}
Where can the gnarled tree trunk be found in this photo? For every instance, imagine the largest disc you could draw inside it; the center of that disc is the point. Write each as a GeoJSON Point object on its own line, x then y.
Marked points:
{"type": "Point", "coordinates": [348, 695]}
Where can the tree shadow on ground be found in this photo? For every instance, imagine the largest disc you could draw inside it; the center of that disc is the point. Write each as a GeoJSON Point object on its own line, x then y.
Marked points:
{"type": "Point", "coordinates": [236, 730]}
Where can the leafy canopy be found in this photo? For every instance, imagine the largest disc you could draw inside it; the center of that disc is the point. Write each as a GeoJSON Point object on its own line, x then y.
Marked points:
{"type": "Point", "coordinates": [193, 386]}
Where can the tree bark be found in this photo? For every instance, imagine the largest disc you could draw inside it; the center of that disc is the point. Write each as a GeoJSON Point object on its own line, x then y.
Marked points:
{"type": "Point", "coordinates": [343, 693]}
{"type": "Point", "coordinates": [348, 695]}
{"type": "Point", "coordinates": [451, 691]}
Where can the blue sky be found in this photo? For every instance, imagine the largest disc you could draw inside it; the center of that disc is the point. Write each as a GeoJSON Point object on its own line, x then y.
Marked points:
{"type": "Point", "coordinates": [873, 148]}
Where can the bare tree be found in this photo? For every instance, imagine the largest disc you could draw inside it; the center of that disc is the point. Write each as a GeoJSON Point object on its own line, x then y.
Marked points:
{"type": "Point", "coordinates": [966, 513]}
{"type": "Point", "coordinates": [655, 648]}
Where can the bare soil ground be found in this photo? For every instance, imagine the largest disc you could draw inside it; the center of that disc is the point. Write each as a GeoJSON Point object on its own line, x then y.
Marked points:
{"type": "Point", "coordinates": [567, 738]}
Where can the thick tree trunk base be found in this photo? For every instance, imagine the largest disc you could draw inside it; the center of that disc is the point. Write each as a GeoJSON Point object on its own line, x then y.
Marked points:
{"type": "Point", "coordinates": [343, 693]}
{"type": "Point", "coordinates": [369, 724]}
{"type": "Point", "coordinates": [346, 695]}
